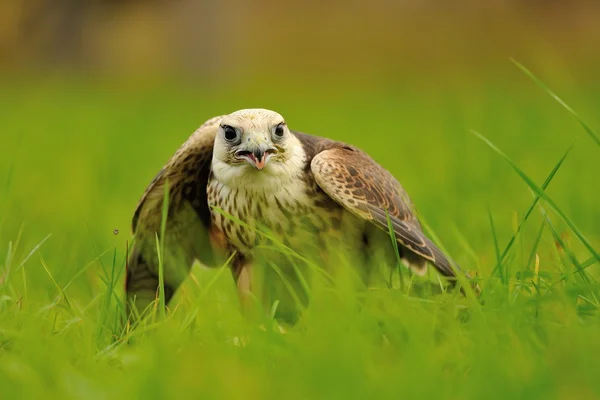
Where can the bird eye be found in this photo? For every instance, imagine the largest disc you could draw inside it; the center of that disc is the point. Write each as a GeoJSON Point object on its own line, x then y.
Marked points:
{"type": "Point", "coordinates": [230, 133]}
{"type": "Point", "coordinates": [279, 131]}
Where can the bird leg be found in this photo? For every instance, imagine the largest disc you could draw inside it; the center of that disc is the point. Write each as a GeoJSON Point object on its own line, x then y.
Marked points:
{"type": "Point", "coordinates": [243, 277]}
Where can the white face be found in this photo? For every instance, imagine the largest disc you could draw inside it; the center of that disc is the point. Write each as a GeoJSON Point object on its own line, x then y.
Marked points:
{"type": "Point", "coordinates": [255, 144]}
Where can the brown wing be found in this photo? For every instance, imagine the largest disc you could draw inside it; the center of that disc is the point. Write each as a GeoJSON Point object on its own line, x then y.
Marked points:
{"type": "Point", "coordinates": [363, 187]}
{"type": "Point", "coordinates": [188, 230]}
{"type": "Point", "coordinates": [187, 172]}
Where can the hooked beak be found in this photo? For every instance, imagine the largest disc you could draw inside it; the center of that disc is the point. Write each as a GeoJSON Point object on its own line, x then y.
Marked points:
{"type": "Point", "coordinates": [258, 157]}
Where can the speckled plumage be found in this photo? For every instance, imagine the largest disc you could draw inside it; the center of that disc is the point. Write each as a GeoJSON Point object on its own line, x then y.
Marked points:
{"type": "Point", "coordinates": [312, 189]}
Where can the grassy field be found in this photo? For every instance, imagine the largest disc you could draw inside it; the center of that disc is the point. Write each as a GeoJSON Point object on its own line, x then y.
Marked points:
{"type": "Point", "coordinates": [75, 157]}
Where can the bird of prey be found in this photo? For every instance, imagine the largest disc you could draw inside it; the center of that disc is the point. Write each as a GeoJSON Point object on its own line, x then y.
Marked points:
{"type": "Point", "coordinates": [247, 171]}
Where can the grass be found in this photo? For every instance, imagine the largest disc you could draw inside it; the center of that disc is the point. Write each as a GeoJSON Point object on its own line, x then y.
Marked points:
{"type": "Point", "coordinates": [515, 203]}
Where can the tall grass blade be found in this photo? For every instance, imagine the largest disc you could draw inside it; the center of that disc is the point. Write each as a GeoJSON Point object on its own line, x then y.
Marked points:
{"type": "Point", "coordinates": [572, 257]}
{"type": "Point", "coordinates": [161, 252]}
{"type": "Point", "coordinates": [540, 192]}
{"type": "Point", "coordinates": [535, 246]}
{"type": "Point", "coordinates": [560, 101]}
{"type": "Point", "coordinates": [55, 282]}
{"type": "Point", "coordinates": [503, 274]}
{"type": "Point", "coordinates": [82, 270]}
{"type": "Point", "coordinates": [589, 262]}
{"type": "Point", "coordinates": [531, 208]}
{"type": "Point", "coordinates": [33, 251]}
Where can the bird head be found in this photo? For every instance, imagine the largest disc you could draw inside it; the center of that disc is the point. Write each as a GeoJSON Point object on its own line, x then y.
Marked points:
{"type": "Point", "coordinates": [255, 142]}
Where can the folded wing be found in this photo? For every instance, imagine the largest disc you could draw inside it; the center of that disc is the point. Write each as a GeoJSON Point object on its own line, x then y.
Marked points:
{"type": "Point", "coordinates": [363, 187]}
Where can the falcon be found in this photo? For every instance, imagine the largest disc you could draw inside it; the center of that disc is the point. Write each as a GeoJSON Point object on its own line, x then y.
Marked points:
{"type": "Point", "coordinates": [247, 190]}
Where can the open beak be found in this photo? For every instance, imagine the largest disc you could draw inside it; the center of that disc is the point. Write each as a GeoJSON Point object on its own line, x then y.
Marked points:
{"type": "Point", "coordinates": [258, 157]}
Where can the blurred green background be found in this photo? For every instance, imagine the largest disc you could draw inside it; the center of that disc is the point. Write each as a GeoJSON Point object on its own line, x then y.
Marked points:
{"type": "Point", "coordinates": [96, 95]}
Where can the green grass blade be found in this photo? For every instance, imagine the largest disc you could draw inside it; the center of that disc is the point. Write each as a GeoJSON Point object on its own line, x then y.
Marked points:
{"type": "Point", "coordinates": [33, 251]}
{"type": "Point", "coordinates": [541, 84]}
{"type": "Point", "coordinates": [540, 192]}
{"type": "Point", "coordinates": [82, 270]}
{"type": "Point", "coordinates": [216, 276]}
{"type": "Point", "coordinates": [535, 246]}
{"type": "Point", "coordinates": [531, 208]}
{"type": "Point", "coordinates": [161, 251]}
{"type": "Point", "coordinates": [558, 239]}
{"type": "Point", "coordinates": [288, 286]}
{"type": "Point", "coordinates": [589, 262]}
{"type": "Point", "coordinates": [503, 276]}
{"type": "Point", "coordinates": [54, 281]}
{"type": "Point", "coordinates": [572, 257]}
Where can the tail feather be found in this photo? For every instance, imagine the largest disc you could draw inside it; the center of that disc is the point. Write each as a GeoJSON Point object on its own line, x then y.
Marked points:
{"type": "Point", "coordinates": [441, 263]}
